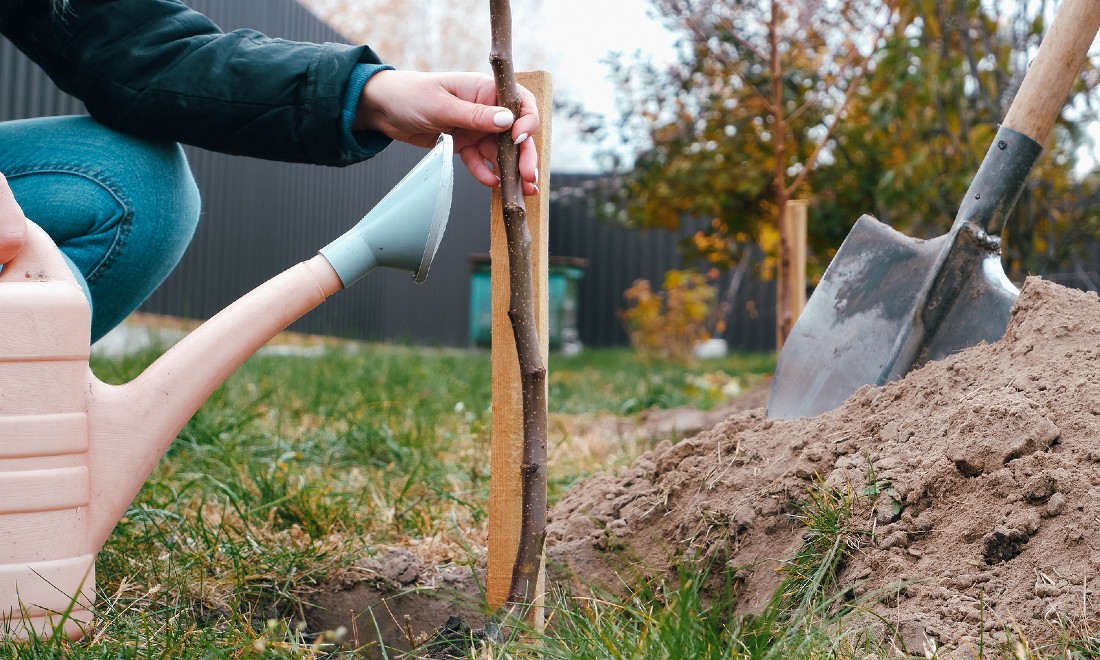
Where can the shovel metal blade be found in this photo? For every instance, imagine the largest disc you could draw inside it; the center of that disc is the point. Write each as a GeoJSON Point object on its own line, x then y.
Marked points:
{"type": "Point", "coordinates": [889, 303]}
{"type": "Point", "coordinates": [886, 304]}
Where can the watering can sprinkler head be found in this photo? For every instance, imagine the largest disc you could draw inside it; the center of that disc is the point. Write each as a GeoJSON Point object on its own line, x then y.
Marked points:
{"type": "Point", "coordinates": [404, 230]}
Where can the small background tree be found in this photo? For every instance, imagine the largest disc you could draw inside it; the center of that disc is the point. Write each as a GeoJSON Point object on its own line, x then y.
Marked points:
{"type": "Point", "coordinates": [890, 110]}
{"type": "Point", "coordinates": [668, 323]}
{"type": "Point", "coordinates": [735, 128]}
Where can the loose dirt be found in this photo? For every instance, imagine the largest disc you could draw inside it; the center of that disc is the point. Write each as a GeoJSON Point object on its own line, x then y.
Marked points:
{"type": "Point", "coordinates": [986, 468]}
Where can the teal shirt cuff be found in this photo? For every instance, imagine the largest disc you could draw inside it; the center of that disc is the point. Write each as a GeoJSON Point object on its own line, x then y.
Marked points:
{"type": "Point", "coordinates": [361, 144]}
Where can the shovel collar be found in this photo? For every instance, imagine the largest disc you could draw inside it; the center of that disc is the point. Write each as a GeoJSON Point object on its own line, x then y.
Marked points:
{"type": "Point", "coordinates": [999, 181]}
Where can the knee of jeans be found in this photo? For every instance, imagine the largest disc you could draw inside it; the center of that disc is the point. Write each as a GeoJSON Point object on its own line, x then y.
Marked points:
{"type": "Point", "coordinates": [140, 200]}
{"type": "Point", "coordinates": [154, 175]}
{"type": "Point", "coordinates": [168, 192]}
{"type": "Point", "coordinates": [163, 213]}
{"type": "Point", "coordinates": [163, 208]}
{"type": "Point", "coordinates": [185, 196]}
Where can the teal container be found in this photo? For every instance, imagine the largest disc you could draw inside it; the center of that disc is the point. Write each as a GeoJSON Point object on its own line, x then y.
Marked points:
{"type": "Point", "coordinates": [481, 303]}
{"type": "Point", "coordinates": [564, 275]}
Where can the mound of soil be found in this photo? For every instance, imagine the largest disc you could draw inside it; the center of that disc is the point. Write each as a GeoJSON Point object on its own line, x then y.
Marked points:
{"type": "Point", "coordinates": [987, 469]}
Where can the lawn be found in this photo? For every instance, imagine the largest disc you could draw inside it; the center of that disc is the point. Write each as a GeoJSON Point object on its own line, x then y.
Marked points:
{"type": "Point", "coordinates": [300, 466]}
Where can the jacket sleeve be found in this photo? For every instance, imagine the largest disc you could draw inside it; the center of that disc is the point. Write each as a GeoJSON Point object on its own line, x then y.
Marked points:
{"type": "Point", "coordinates": [158, 69]}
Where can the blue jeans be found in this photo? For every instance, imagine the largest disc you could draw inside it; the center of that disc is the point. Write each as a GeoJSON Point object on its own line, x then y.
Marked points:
{"type": "Point", "coordinates": [121, 209]}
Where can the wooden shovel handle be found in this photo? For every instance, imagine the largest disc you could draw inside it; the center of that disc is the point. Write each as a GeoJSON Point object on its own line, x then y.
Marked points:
{"type": "Point", "coordinates": [1057, 64]}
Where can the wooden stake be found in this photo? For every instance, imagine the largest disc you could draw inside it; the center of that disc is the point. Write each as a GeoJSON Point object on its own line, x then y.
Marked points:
{"type": "Point", "coordinates": [794, 230]}
{"type": "Point", "coordinates": [505, 482]}
{"type": "Point", "coordinates": [796, 216]}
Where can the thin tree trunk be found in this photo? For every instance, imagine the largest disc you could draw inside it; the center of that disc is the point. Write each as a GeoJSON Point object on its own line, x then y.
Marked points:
{"type": "Point", "coordinates": [521, 313]}
{"type": "Point", "coordinates": [784, 311]}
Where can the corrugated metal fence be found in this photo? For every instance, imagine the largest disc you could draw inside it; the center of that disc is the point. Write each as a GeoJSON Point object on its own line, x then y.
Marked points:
{"type": "Point", "coordinates": [261, 217]}
{"type": "Point", "coordinates": [617, 256]}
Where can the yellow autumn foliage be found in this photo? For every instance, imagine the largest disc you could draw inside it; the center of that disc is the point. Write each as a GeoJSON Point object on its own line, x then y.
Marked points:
{"type": "Point", "coordinates": [669, 322]}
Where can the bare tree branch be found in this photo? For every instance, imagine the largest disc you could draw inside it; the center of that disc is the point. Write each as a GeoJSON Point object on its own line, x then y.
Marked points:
{"type": "Point", "coordinates": [853, 86]}
{"type": "Point", "coordinates": [521, 312]}
{"type": "Point", "coordinates": [687, 17]}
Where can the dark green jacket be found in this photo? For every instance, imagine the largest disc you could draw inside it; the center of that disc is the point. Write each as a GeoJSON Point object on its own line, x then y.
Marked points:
{"type": "Point", "coordinates": [158, 69]}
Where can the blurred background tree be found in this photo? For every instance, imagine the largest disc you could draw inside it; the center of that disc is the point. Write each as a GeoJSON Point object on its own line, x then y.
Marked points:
{"type": "Point", "coordinates": [905, 103]}
{"type": "Point", "coordinates": [419, 34]}
{"type": "Point", "coordinates": [733, 131]}
{"type": "Point", "coordinates": [944, 81]}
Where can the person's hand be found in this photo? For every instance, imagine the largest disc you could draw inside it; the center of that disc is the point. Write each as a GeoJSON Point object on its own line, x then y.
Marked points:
{"type": "Point", "coordinates": [416, 107]}
{"type": "Point", "coordinates": [13, 224]}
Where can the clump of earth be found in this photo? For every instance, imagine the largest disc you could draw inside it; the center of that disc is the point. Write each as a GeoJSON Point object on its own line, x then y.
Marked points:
{"type": "Point", "coordinates": [984, 524]}
{"type": "Point", "coordinates": [986, 466]}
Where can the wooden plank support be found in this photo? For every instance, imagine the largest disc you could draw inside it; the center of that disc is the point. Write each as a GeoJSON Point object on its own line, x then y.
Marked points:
{"type": "Point", "coordinates": [505, 483]}
{"type": "Point", "coordinates": [796, 229]}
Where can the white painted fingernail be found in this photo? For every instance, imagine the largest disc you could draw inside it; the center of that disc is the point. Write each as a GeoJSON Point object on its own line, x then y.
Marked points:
{"type": "Point", "coordinates": [536, 177]}
{"type": "Point", "coordinates": [503, 119]}
{"type": "Point", "coordinates": [521, 138]}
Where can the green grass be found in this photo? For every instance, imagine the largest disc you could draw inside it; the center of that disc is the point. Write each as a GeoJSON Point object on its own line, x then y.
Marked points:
{"type": "Point", "coordinates": [297, 468]}
{"type": "Point", "coordinates": [614, 380]}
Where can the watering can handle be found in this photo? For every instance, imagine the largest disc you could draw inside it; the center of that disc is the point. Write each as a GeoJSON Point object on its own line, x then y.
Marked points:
{"type": "Point", "coordinates": [1057, 64]}
{"type": "Point", "coordinates": [38, 261]}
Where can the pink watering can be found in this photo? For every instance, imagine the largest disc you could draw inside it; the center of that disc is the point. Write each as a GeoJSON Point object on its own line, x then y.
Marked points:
{"type": "Point", "coordinates": [74, 451]}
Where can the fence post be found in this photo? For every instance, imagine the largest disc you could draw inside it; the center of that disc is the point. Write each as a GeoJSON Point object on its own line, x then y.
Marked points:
{"type": "Point", "coordinates": [795, 227]}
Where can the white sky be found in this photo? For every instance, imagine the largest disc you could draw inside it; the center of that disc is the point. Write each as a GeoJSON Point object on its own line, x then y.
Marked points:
{"type": "Point", "coordinates": [575, 36]}
{"type": "Point", "coordinates": [578, 34]}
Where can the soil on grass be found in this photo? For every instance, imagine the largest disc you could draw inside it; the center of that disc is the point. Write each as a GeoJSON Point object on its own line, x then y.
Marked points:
{"type": "Point", "coordinates": [975, 482]}
{"type": "Point", "coordinates": [404, 595]}
{"type": "Point", "coordinates": [987, 469]}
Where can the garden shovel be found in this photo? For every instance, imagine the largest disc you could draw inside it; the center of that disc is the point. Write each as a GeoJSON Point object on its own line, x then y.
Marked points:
{"type": "Point", "coordinates": [889, 303]}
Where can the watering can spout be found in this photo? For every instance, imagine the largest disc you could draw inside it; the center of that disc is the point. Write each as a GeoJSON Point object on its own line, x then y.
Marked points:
{"type": "Point", "coordinates": [132, 425]}
{"type": "Point", "coordinates": [393, 233]}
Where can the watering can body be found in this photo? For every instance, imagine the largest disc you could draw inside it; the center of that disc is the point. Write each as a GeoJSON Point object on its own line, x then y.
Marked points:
{"type": "Point", "coordinates": [75, 451]}
{"type": "Point", "coordinates": [46, 556]}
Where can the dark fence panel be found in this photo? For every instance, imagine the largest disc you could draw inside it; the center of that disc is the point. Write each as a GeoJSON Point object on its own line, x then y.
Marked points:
{"type": "Point", "coordinates": [752, 321]}
{"type": "Point", "coordinates": [261, 217]}
{"type": "Point", "coordinates": [618, 256]}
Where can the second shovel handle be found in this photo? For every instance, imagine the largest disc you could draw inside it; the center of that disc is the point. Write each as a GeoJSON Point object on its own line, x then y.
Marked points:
{"type": "Point", "coordinates": [1057, 64]}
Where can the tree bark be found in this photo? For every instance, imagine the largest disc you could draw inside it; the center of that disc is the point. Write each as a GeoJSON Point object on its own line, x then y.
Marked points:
{"type": "Point", "coordinates": [521, 313]}
{"type": "Point", "coordinates": [784, 312]}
